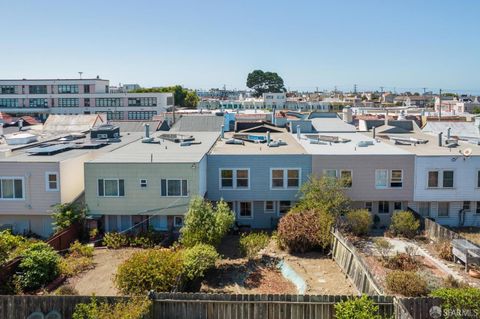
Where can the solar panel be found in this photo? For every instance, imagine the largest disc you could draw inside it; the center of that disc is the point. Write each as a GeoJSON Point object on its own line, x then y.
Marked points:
{"type": "Point", "coordinates": [49, 150]}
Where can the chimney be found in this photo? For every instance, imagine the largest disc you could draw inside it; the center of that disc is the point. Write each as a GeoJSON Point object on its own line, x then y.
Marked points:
{"type": "Point", "coordinates": [298, 132]}
{"type": "Point", "coordinates": [374, 132]}
{"type": "Point", "coordinates": [20, 124]}
{"type": "Point", "coordinates": [147, 130]}
{"type": "Point", "coordinates": [440, 142]}
{"type": "Point", "coordinates": [223, 131]}
{"type": "Point", "coordinates": [268, 137]}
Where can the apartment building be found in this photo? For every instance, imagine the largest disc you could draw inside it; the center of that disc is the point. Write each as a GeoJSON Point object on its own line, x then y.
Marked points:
{"type": "Point", "coordinates": [258, 171]}
{"type": "Point", "coordinates": [41, 97]}
{"type": "Point", "coordinates": [150, 182]}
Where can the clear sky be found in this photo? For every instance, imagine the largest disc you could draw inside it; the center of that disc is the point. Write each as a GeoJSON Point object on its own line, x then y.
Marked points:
{"type": "Point", "coordinates": [209, 43]}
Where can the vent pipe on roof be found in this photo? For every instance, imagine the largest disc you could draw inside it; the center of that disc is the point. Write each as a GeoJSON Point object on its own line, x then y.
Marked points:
{"type": "Point", "coordinates": [440, 139]}
{"type": "Point", "coordinates": [298, 131]}
{"type": "Point", "coordinates": [448, 133]}
{"type": "Point", "coordinates": [268, 137]}
{"type": "Point", "coordinates": [386, 117]}
{"type": "Point", "coordinates": [147, 130]}
{"type": "Point", "coordinates": [223, 131]}
{"type": "Point", "coordinates": [374, 132]}
{"type": "Point", "coordinates": [273, 117]}
{"type": "Point", "coordinates": [1, 129]}
{"type": "Point", "coordinates": [20, 124]}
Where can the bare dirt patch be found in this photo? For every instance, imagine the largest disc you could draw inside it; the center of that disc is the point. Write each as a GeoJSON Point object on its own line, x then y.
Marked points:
{"type": "Point", "coordinates": [99, 280]}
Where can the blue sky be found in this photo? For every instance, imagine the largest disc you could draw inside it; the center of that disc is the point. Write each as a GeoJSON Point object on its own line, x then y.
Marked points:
{"type": "Point", "coordinates": [202, 44]}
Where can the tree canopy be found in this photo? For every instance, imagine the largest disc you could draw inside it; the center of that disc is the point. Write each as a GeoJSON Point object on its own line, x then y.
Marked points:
{"type": "Point", "coordinates": [265, 82]}
{"type": "Point", "coordinates": [182, 96]}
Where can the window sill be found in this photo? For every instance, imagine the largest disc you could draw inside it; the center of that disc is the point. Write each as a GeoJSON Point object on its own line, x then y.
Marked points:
{"type": "Point", "coordinates": [12, 199]}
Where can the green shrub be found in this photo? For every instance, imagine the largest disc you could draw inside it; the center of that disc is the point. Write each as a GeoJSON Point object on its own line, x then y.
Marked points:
{"type": "Point", "coordinates": [458, 299]}
{"type": "Point", "coordinates": [197, 260]}
{"type": "Point", "coordinates": [406, 283]}
{"type": "Point", "coordinates": [78, 250]}
{"type": "Point", "coordinates": [135, 308]}
{"type": "Point", "coordinates": [383, 247]}
{"type": "Point", "coordinates": [303, 231]}
{"type": "Point", "coordinates": [205, 224]}
{"type": "Point", "coordinates": [71, 265]}
{"type": "Point", "coordinates": [404, 224]}
{"type": "Point", "coordinates": [155, 269]}
{"type": "Point", "coordinates": [357, 308]}
{"type": "Point", "coordinates": [115, 240]}
{"type": "Point", "coordinates": [359, 221]}
{"type": "Point", "coordinates": [65, 215]}
{"type": "Point", "coordinates": [402, 261]}
{"type": "Point", "coordinates": [39, 266]}
{"type": "Point", "coordinates": [8, 243]}
{"type": "Point", "coordinates": [251, 244]}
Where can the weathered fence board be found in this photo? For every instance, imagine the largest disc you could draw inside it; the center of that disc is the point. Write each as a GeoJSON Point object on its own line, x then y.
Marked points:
{"type": "Point", "coordinates": [347, 257]}
{"type": "Point", "coordinates": [416, 308]}
{"type": "Point", "coordinates": [438, 232]}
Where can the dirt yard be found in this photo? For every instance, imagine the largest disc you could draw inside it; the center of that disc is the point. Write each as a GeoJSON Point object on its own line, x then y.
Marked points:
{"type": "Point", "coordinates": [236, 275]}
{"type": "Point", "coordinates": [99, 281]}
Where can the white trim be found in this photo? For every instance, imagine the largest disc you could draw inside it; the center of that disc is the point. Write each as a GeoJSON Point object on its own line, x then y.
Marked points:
{"type": "Point", "coordinates": [47, 182]}
{"type": "Point", "coordinates": [181, 187]}
{"type": "Point", "coordinates": [285, 178]}
{"type": "Point", "coordinates": [390, 178]}
{"type": "Point", "coordinates": [338, 175]}
{"type": "Point", "coordinates": [278, 207]}
{"type": "Point", "coordinates": [118, 187]}
{"type": "Point", "coordinates": [239, 206]}
{"type": "Point", "coordinates": [23, 187]}
{"type": "Point", "coordinates": [440, 178]}
{"type": "Point", "coordinates": [146, 183]}
{"type": "Point", "coordinates": [175, 221]}
{"type": "Point", "coordinates": [234, 178]}
{"type": "Point", "coordinates": [269, 211]}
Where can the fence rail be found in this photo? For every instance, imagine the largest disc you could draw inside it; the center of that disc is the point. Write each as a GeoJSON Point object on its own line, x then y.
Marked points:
{"type": "Point", "coordinates": [438, 232]}
{"type": "Point", "coordinates": [352, 264]}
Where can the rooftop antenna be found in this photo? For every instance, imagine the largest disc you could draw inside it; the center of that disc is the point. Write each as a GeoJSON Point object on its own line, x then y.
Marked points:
{"type": "Point", "coordinates": [80, 73]}
{"type": "Point", "coordinates": [440, 105]}
{"type": "Point", "coordinates": [381, 89]}
{"type": "Point", "coordinates": [354, 89]}
{"type": "Point", "coordinates": [424, 90]}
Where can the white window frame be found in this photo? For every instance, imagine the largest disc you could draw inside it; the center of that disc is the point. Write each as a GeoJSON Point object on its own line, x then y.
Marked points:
{"type": "Point", "coordinates": [181, 187]}
{"type": "Point", "coordinates": [269, 211]}
{"type": "Point", "coordinates": [440, 178]}
{"type": "Point", "coordinates": [386, 181]}
{"type": "Point", "coordinates": [234, 178]}
{"type": "Point", "coordinates": [118, 187]}
{"type": "Point", "coordinates": [278, 207]}
{"type": "Point", "coordinates": [477, 184]}
{"type": "Point", "coordinates": [285, 178]}
{"type": "Point", "coordinates": [389, 178]}
{"type": "Point", "coordinates": [438, 210]}
{"type": "Point", "coordinates": [141, 183]}
{"type": "Point", "coordinates": [239, 208]}
{"type": "Point", "coordinates": [338, 175]}
{"type": "Point", "coordinates": [175, 224]}
{"type": "Point", "coordinates": [47, 182]}
{"type": "Point", "coordinates": [14, 178]}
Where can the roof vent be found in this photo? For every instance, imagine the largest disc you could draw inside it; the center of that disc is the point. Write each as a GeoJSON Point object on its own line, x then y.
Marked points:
{"type": "Point", "coordinates": [364, 143]}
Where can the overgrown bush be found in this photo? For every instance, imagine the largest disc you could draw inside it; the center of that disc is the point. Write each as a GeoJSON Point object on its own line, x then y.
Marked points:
{"type": "Point", "coordinates": [451, 282]}
{"type": "Point", "coordinates": [197, 260]}
{"type": "Point", "coordinates": [406, 283]}
{"type": "Point", "coordinates": [135, 308]}
{"type": "Point", "coordinates": [77, 249]}
{"type": "Point", "coordinates": [357, 308]}
{"type": "Point", "coordinates": [155, 269]}
{"type": "Point", "coordinates": [8, 243]}
{"type": "Point", "coordinates": [303, 231]}
{"type": "Point", "coordinates": [444, 249]}
{"type": "Point", "coordinates": [66, 290]}
{"type": "Point", "coordinates": [383, 247]}
{"type": "Point", "coordinates": [78, 259]}
{"type": "Point", "coordinates": [205, 224]}
{"type": "Point", "coordinates": [65, 215]}
{"type": "Point", "coordinates": [39, 266]}
{"type": "Point", "coordinates": [115, 240]}
{"type": "Point", "coordinates": [402, 261]}
{"type": "Point", "coordinates": [404, 224]}
{"type": "Point", "coordinates": [359, 221]}
{"type": "Point", "coordinates": [456, 300]}
{"type": "Point", "coordinates": [251, 244]}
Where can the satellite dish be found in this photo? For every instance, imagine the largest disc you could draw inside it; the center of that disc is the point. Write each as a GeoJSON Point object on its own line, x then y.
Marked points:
{"type": "Point", "coordinates": [467, 152]}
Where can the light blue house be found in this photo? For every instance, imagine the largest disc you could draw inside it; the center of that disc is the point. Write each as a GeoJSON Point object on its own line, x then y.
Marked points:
{"type": "Point", "coordinates": [260, 182]}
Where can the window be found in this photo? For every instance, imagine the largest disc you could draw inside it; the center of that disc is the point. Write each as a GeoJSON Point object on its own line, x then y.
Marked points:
{"type": "Point", "coordinates": [11, 188]}
{"type": "Point", "coordinates": [396, 178]}
{"type": "Point", "coordinates": [86, 102]}
{"type": "Point", "coordinates": [142, 101]}
{"type": "Point", "coordinates": [68, 102]}
{"type": "Point", "coordinates": [284, 178]}
{"type": "Point", "coordinates": [174, 187]}
{"type": "Point", "coordinates": [143, 183]}
{"type": "Point", "coordinates": [38, 102]}
{"type": "Point", "coordinates": [383, 207]}
{"type": "Point", "coordinates": [8, 102]}
{"type": "Point", "coordinates": [478, 208]}
{"type": "Point", "coordinates": [245, 210]}
{"type": "Point", "coordinates": [37, 89]}
{"type": "Point", "coordinates": [466, 206]}
{"type": "Point", "coordinates": [284, 206]}
{"type": "Point", "coordinates": [443, 208]}
{"type": "Point", "coordinates": [478, 179]}
{"type": "Point", "coordinates": [51, 181]}
{"type": "Point", "coordinates": [178, 221]}
{"type": "Point", "coordinates": [231, 206]}
{"type": "Point", "coordinates": [269, 206]}
{"type": "Point", "coordinates": [433, 179]}
{"type": "Point", "coordinates": [108, 102]}
{"type": "Point", "coordinates": [234, 178]}
{"type": "Point", "coordinates": [67, 89]}
{"type": "Point", "coordinates": [369, 206]}
{"type": "Point", "coordinates": [346, 178]}
{"type": "Point", "coordinates": [397, 206]}
{"type": "Point", "coordinates": [381, 177]}
{"type": "Point", "coordinates": [86, 88]}
{"type": "Point", "coordinates": [111, 187]}
{"type": "Point", "coordinates": [141, 115]}
{"type": "Point", "coordinates": [424, 208]}
{"type": "Point", "coordinates": [330, 173]}
{"type": "Point", "coordinates": [7, 89]}
{"type": "Point", "coordinates": [447, 179]}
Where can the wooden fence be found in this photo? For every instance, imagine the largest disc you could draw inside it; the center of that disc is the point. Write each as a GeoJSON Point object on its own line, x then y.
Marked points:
{"type": "Point", "coordinates": [437, 232]}
{"type": "Point", "coordinates": [352, 264]}
{"type": "Point", "coordinates": [416, 308]}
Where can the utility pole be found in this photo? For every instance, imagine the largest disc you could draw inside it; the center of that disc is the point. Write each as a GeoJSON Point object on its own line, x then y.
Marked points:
{"type": "Point", "coordinates": [440, 105]}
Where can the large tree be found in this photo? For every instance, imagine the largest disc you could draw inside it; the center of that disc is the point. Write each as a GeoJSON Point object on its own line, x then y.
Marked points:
{"type": "Point", "coordinates": [182, 96]}
{"type": "Point", "coordinates": [265, 82]}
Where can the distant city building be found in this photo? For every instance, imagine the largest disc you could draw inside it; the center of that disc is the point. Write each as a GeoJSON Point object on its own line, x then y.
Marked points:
{"type": "Point", "coordinates": [41, 97]}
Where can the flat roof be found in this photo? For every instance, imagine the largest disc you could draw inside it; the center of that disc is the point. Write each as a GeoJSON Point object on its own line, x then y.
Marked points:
{"type": "Point", "coordinates": [23, 155]}
{"type": "Point", "coordinates": [250, 148]}
{"type": "Point", "coordinates": [350, 145]}
{"type": "Point", "coordinates": [430, 146]}
{"type": "Point", "coordinates": [166, 151]}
